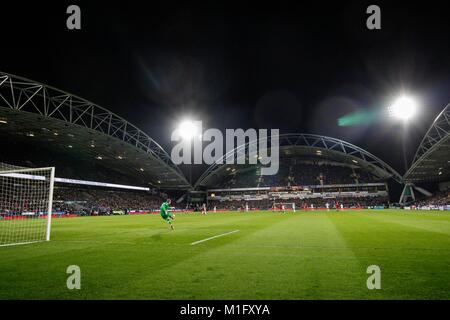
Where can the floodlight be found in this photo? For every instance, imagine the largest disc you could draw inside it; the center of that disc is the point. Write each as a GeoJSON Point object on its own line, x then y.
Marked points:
{"type": "Point", "coordinates": [188, 129]}
{"type": "Point", "coordinates": [404, 108]}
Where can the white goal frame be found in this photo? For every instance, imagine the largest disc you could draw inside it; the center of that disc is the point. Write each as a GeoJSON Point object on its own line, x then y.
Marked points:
{"type": "Point", "coordinates": [27, 173]}
{"type": "Point", "coordinates": [285, 204]}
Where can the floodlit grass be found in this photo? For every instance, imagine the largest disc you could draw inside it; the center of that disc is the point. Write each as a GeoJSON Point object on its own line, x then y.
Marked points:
{"type": "Point", "coordinates": [314, 255]}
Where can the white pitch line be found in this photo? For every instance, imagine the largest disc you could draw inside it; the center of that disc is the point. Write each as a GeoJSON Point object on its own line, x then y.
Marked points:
{"type": "Point", "coordinates": [220, 235]}
{"type": "Point", "coordinates": [20, 243]}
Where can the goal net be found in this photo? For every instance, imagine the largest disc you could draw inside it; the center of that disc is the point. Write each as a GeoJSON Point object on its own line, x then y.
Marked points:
{"type": "Point", "coordinates": [26, 197]}
{"type": "Point", "coordinates": [283, 206]}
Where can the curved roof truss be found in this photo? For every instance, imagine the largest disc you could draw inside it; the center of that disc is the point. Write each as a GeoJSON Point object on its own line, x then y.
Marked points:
{"type": "Point", "coordinates": [436, 137]}
{"type": "Point", "coordinates": [21, 94]}
{"type": "Point", "coordinates": [332, 145]}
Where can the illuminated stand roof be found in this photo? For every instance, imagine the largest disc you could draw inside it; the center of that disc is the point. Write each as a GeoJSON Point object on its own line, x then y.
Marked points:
{"type": "Point", "coordinates": [309, 145]}
{"type": "Point", "coordinates": [432, 159]}
{"type": "Point", "coordinates": [83, 131]}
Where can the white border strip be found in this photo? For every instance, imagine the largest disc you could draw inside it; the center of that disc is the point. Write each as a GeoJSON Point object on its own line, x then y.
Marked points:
{"type": "Point", "coordinates": [100, 184]}
{"type": "Point", "coordinates": [207, 239]}
{"type": "Point", "coordinates": [19, 175]}
{"type": "Point", "coordinates": [19, 244]}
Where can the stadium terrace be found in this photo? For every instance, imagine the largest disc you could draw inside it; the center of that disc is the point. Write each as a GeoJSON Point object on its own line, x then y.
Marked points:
{"type": "Point", "coordinates": [326, 214]}
{"type": "Point", "coordinates": [96, 151]}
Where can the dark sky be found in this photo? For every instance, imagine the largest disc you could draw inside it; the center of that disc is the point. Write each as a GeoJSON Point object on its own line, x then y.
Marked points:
{"type": "Point", "coordinates": [289, 65]}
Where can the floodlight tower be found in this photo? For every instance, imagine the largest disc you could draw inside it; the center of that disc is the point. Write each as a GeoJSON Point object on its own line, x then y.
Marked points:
{"type": "Point", "coordinates": [404, 108]}
{"type": "Point", "coordinates": [189, 130]}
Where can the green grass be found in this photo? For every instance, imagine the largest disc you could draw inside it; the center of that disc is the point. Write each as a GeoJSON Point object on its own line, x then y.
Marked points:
{"type": "Point", "coordinates": [273, 256]}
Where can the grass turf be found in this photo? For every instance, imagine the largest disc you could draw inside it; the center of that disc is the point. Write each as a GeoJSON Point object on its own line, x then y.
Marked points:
{"type": "Point", "coordinates": [314, 255]}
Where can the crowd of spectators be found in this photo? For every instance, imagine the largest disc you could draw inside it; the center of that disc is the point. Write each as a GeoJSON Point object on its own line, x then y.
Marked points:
{"type": "Point", "coordinates": [295, 172]}
{"type": "Point", "coordinates": [267, 204]}
{"type": "Point", "coordinates": [92, 201]}
{"type": "Point", "coordinates": [441, 198]}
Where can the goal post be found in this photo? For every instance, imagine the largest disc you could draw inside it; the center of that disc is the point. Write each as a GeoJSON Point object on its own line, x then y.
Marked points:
{"type": "Point", "coordinates": [283, 206]}
{"type": "Point", "coordinates": [50, 203]}
{"type": "Point", "coordinates": [26, 200]}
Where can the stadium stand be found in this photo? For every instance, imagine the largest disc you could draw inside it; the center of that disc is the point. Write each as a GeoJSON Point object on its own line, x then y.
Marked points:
{"type": "Point", "coordinates": [53, 128]}
{"type": "Point", "coordinates": [430, 170]}
{"type": "Point", "coordinates": [92, 201]}
{"type": "Point", "coordinates": [318, 203]}
{"type": "Point", "coordinates": [441, 198]}
{"type": "Point", "coordinates": [300, 172]}
{"type": "Point", "coordinates": [87, 142]}
{"type": "Point", "coordinates": [303, 180]}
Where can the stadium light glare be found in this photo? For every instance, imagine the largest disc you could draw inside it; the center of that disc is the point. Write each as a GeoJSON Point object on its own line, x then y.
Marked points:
{"type": "Point", "coordinates": [188, 129]}
{"type": "Point", "coordinates": [403, 108]}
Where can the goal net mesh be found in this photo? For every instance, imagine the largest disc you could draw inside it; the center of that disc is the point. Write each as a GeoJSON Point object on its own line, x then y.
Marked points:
{"type": "Point", "coordinates": [25, 204]}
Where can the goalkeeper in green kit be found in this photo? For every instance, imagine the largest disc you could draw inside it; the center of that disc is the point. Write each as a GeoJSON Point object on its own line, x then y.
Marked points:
{"type": "Point", "coordinates": [165, 214]}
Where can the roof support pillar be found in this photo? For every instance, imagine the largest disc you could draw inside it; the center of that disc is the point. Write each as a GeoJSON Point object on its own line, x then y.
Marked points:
{"type": "Point", "coordinates": [407, 194]}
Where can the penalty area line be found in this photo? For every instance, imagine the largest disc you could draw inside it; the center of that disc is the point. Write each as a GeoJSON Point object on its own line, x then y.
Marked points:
{"type": "Point", "coordinates": [218, 236]}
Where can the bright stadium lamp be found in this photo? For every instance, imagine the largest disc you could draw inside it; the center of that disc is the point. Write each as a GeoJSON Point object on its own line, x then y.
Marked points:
{"type": "Point", "coordinates": [404, 108]}
{"type": "Point", "coordinates": [188, 129]}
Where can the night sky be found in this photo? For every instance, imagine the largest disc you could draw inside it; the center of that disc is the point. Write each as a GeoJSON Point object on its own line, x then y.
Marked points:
{"type": "Point", "coordinates": [288, 65]}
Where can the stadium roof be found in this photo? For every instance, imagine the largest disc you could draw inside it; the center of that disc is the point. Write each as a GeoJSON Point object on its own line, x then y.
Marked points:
{"type": "Point", "coordinates": [432, 160]}
{"type": "Point", "coordinates": [309, 145]}
{"type": "Point", "coordinates": [34, 113]}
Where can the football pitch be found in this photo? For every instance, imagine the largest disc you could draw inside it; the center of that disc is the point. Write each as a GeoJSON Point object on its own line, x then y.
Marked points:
{"type": "Point", "coordinates": [257, 255]}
